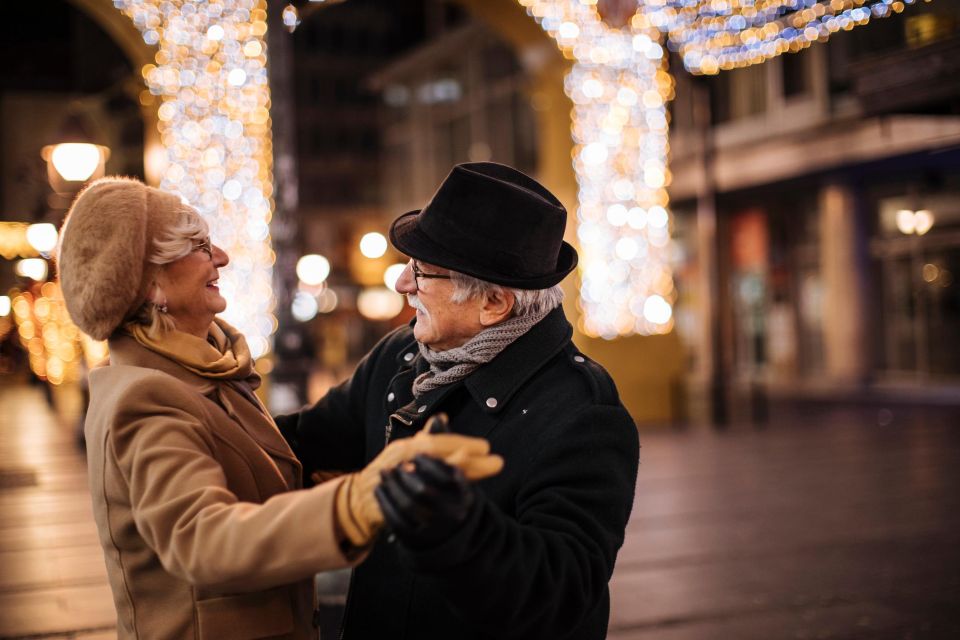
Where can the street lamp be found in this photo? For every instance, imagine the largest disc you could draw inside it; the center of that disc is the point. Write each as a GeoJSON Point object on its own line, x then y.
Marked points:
{"type": "Point", "coordinates": [74, 158]}
{"type": "Point", "coordinates": [75, 161]}
{"type": "Point", "coordinates": [914, 222]}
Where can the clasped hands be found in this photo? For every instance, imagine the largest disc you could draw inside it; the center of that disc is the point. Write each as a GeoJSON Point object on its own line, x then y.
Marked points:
{"type": "Point", "coordinates": [415, 480]}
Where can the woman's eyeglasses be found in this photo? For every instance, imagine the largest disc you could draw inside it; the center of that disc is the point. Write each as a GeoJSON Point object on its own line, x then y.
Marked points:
{"type": "Point", "coordinates": [205, 246]}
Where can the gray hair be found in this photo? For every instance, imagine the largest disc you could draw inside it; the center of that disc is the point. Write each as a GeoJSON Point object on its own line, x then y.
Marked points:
{"type": "Point", "coordinates": [526, 301]}
{"type": "Point", "coordinates": [169, 246]}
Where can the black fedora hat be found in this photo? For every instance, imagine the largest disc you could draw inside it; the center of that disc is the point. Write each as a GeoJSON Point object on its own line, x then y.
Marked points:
{"type": "Point", "coordinates": [492, 222]}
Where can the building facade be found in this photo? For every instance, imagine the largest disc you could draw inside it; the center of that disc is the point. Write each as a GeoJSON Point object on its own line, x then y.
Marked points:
{"type": "Point", "coordinates": [817, 218]}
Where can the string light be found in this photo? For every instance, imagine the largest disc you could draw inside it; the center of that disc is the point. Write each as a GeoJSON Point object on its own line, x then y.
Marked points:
{"type": "Point", "coordinates": [619, 87]}
{"type": "Point", "coordinates": [14, 241]}
{"type": "Point", "coordinates": [214, 120]}
{"type": "Point", "coordinates": [717, 35]}
{"type": "Point", "coordinates": [55, 347]}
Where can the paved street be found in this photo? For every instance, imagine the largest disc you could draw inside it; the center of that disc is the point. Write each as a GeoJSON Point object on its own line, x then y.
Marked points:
{"type": "Point", "coordinates": [52, 580]}
{"type": "Point", "coordinates": [827, 525]}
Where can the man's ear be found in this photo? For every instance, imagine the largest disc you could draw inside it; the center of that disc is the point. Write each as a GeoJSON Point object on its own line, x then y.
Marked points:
{"type": "Point", "coordinates": [497, 307]}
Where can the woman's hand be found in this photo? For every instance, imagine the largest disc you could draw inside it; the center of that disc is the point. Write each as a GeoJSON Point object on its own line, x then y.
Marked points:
{"type": "Point", "coordinates": [357, 512]}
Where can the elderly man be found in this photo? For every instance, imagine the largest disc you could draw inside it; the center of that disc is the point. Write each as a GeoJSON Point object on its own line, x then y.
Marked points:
{"type": "Point", "coordinates": [528, 553]}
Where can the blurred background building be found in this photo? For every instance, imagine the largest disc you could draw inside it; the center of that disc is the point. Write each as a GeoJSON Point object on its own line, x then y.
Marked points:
{"type": "Point", "coordinates": [815, 197]}
{"type": "Point", "coordinates": [71, 109]}
{"type": "Point", "coordinates": [832, 176]}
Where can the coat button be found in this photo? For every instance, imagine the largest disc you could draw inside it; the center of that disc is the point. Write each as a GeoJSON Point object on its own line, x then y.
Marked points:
{"type": "Point", "coordinates": [491, 402]}
{"type": "Point", "coordinates": [408, 357]}
{"type": "Point", "coordinates": [579, 359]}
{"type": "Point", "coordinates": [390, 397]}
{"type": "Point", "coordinates": [421, 408]}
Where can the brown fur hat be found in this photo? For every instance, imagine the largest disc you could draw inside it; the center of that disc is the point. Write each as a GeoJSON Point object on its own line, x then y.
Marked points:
{"type": "Point", "coordinates": [105, 242]}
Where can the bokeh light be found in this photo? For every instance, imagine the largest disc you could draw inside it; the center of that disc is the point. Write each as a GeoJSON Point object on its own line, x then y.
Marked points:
{"type": "Point", "coordinates": [42, 237]}
{"type": "Point", "coordinates": [304, 307]}
{"type": "Point", "coordinates": [373, 245]}
{"type": "Point", "coordinates": [214, 123]}
{"type": "Point", "coordinates": [313, 269]}
{"type": "Point", "coordinates": [33, 268]}
{"type": "Point", "coordinates": [379, 303]}
{"type": "Point", "coordinates": [392, 274]}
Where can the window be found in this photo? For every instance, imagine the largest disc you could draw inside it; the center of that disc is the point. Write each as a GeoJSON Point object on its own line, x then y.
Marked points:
{"type": "Point", "coordinates": [920, 292]}
{"type": "Point", "coordinates": [442, 113]}
{"type": "Point", "coordinates": [739, 93]}
{"type": "Point", "coordinates": [796, 73]}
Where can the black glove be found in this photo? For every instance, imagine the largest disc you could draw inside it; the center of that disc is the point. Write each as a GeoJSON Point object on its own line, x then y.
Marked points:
{"type": "Point", "coordinates": [426, 504]}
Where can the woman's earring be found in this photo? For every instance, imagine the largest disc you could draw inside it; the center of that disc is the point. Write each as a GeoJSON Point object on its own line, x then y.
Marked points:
{"type": "Point", "coordinates": [160, 306]}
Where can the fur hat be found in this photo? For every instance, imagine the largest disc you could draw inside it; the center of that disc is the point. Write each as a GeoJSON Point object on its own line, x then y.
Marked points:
{"type": "Point", "coordinates": [105, 242]}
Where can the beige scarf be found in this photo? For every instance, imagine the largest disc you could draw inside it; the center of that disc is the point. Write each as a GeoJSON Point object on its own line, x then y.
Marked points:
{"type": "Point", "coordinates": [223, 359]}
{"type": "Point", "coordinates": [224, 355]}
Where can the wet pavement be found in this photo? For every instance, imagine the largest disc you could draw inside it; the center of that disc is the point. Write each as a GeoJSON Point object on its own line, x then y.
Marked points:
{"type": "Point", "coordinates": [52, 579]}
{"type": "Point", "coordinates": [829, 524]}
{"type": "Point", "coordinates": [824, 525]}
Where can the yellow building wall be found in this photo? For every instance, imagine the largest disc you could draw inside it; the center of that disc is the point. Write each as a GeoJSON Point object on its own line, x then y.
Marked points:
{"type": "Point", "coordinates": [648, 370]}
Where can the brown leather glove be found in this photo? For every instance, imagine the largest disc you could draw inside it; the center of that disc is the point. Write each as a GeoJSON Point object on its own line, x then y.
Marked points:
{"type": "Point", "coordinates": [357, 513]}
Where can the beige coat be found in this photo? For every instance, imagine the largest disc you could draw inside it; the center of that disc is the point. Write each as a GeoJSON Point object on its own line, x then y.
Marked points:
{"type": "Point", "coordinates": [202, 535]}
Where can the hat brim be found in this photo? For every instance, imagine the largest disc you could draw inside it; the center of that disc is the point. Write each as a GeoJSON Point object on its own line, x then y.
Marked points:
{"type": "Point", "coordinates": [407, 237]}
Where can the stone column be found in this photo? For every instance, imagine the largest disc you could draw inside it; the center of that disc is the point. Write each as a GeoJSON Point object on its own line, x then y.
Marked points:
{"type": "Point", "coordinates": [844, 262]}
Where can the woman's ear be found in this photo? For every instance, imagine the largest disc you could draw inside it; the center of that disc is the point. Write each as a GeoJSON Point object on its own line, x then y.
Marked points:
{"type": "Point", "coordinates": [155, 295]}
{"type": "Point", "coordinates": [497, 307]}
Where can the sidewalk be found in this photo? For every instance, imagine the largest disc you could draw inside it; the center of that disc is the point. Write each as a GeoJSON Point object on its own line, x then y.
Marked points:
{"type": "Point", "coordinates": [834, 524]}
{"type": "Point", "coordinates": [53, 583]}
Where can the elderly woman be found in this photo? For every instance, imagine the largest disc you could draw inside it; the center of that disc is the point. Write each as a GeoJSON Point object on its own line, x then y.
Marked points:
{"type": "Point", "coordinates": [194, 489]}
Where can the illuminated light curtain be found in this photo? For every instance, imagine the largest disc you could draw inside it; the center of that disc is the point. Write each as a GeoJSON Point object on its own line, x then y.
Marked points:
{"type": "Point", "coordinates": [619, 87]}
{"type": "Point", "coordinates": [211, 78]}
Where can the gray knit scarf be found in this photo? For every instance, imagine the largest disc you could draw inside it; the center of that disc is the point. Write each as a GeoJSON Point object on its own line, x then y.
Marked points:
{"type": "Point", "coordinates": [452, 365]}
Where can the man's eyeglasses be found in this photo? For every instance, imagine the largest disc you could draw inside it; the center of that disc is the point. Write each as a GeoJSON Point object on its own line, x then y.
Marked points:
{"type": "Point", "coordinates": [205, 246]}
{"type": "Point", "coordinates": [417, 274]}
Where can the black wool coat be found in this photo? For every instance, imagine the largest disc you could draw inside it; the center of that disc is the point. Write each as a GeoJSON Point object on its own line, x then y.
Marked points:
{"type": "Point", "coordinates": [535, 556]}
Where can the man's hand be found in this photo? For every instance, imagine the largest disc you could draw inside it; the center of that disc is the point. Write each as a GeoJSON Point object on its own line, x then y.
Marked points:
{"type": "Point", "coordinates": [358, 513]}
{"type": "Point", "coordinates": [426, 502]}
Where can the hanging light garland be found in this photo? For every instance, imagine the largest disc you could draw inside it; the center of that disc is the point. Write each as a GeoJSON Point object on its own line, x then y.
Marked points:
{"type": "Point", "coordinates": [211, 79]}
{"type": "Point", "coordinates": [619, 87]}
{"type": "Point", "coordinates": [718, 35]}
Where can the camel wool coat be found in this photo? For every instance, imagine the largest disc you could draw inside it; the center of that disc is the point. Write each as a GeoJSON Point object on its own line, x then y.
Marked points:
{"type": "Point", "coordinates": [203, 534]}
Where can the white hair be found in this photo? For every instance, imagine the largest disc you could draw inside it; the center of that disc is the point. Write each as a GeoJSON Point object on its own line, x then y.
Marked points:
{"type": "Point", "coordinates": [525, 301]}
{"type": "Point", "coordinates": [169, 246]}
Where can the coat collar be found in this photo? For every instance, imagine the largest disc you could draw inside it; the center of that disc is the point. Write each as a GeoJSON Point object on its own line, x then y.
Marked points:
{"type": "Point", "coordinates": [125, 350]}
{"type": "Point", "coordinates": [494, 384]}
